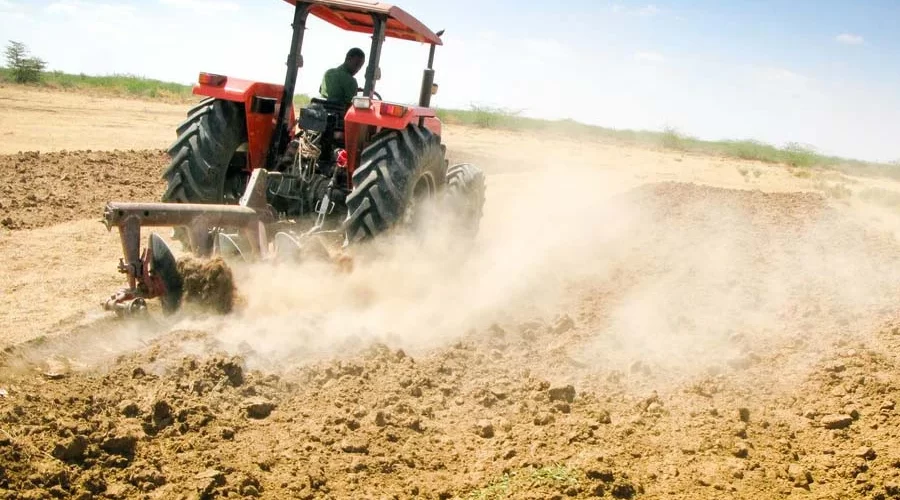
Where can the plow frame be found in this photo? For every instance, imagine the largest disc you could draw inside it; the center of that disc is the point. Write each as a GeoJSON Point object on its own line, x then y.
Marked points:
{"type": "Point", "coordinates": [250, 216]}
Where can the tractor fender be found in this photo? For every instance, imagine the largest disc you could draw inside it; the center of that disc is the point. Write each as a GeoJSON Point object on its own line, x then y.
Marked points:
{"type": "Point", "coordinates": [373, 116]}
{"type": "Point", "coordinates": [357, 119]}
{"type": "Point", "coordinates": [261, 102]}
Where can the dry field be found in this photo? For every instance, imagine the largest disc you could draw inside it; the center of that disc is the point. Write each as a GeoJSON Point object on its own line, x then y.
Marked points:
{"type": "Point", "coordinates": [629, 324]}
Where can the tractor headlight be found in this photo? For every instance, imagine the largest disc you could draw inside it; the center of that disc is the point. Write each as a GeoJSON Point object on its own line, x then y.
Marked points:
{"type": "Point", "coordinates": [362, 102]}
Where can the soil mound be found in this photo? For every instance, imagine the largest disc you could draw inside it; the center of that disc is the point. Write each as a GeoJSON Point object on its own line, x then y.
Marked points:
{"type": "Point", "coordinates": [42, 189]}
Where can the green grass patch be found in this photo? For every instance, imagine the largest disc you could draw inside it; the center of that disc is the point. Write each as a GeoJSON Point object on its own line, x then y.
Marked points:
{"type": "Point", "coordinates": [670, 138]}
{"type": "Point", "coordinates": [553, 478]}
{"type": "Point", "coordinates": [115, 85]}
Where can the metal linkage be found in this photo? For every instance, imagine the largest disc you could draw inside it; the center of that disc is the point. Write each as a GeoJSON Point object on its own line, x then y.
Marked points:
{"type": "Point", "coordinates": [151, 273]}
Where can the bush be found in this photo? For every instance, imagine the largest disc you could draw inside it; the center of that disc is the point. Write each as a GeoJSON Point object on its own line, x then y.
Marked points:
{"type": "Point", "coordinates": [673, 139]}
{"type": "Point", "coordinates": [25, 69]}
{"type": "Point", "coordinates": [797, 155]}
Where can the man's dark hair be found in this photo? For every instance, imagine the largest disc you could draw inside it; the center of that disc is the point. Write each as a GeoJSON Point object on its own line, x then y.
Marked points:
{"type": "Point", "coordinates": [355, 52]}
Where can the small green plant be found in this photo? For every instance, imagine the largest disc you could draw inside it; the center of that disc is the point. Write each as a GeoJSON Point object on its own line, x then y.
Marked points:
{"type": "Point", "coordinates": [25, 68]}
{"type": "Point", "coordinates": [555, 474]}
{"type": "Point", "coordinates": [673, 139]}
{"type": "Point", "coordinates": [796, 155]}
{"type": "Point", "coordinates": [497, 490]}
{"type": "Point", "coordinates": [516, 482]}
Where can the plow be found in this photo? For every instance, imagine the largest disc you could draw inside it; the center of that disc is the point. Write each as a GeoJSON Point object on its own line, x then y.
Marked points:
{"type": "Point", "coordinates": [250, 178]}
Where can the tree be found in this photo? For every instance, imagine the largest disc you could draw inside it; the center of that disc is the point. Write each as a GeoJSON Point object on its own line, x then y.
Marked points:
{"type": "Point", "coordinates": [25, 69]}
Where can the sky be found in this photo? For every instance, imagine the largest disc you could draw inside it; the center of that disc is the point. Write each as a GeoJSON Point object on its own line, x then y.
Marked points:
{"type": "Point", "coordinates": [824, 74]}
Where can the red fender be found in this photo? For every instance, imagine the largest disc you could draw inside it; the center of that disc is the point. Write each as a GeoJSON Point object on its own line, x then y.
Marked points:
{"type": "Point", "coordinates": [357, 119]}
{"type": "Point", "coordinates": [261, 103]}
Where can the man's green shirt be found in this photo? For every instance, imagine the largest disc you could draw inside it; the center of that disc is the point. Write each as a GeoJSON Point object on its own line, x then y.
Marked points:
{"type": "Point", "coordinates": [338, 85]}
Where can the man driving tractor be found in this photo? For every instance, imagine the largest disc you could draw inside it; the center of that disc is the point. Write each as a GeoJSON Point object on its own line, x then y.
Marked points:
{"type": "Point", "coordinates": [339, 84]}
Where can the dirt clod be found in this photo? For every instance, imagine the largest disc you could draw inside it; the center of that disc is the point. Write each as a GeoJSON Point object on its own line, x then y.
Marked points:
{"type": "Point", "coordinates": [129, 409]}
{"type": "Point", "coordinates": [566, 394]}
{"type": "Point", "coordinates": [259, 408]}
{"type": "Point", "coordinates": [121, 442]}
{"type": "Point", "coordinates": [162, 415]}
{"type": "Point", "coordinates": [207, 283]}
{"type": "Point", "coordinates": [71, 449]}
{"type": "Point", "coordinates": [800, 477]}
{"type": "Point", "coordinates": [484, 429]}
{"type": "Point", "coordinates": [207, 481]}
{"type": "Point", "coordinates": [837, 421]}
{"type": "Point", "coordinates": [355, 446]}
{"type": "Point", "coordinates": [741, 450]}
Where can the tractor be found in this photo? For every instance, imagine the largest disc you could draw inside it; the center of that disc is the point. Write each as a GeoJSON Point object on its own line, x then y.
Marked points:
{"type": "Point", "coordinates": [247, 172]}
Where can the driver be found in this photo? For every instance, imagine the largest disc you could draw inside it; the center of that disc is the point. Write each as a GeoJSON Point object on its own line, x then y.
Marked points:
{"type": "Point", "coordinates": [339, 84]}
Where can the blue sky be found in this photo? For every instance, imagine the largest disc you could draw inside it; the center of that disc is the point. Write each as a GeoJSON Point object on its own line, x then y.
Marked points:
{"type": "Point", "coordinates": [821, 73]}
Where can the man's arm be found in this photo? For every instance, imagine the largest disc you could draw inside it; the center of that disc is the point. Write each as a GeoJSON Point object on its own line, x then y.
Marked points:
{"type": "Point", "coordinates": [349, 89]}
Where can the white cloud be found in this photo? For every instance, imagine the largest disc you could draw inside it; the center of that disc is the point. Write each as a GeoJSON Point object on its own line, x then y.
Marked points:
{"type": "Point", "coordinates": [12, 10]}
{"type": "Point", "coordinates": [63, 7]}
{"type": "Point", "coordinates": [849, 39]}
{"type": "Point", "coordinates": [649, 10]}
{"type": "Point", "coordinates": [545, 48]}
{"type": "Point", "coordinates": [781, 75]}
{"type": "Point", "coordinates": [649, 56]}
{"type": "Point", "coordinates": [202, 5]}
{"type": "Point", "coordinates": [98, 12]}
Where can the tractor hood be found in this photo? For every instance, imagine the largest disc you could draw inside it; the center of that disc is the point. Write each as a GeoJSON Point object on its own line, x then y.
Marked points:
{"type": "Point", "coordinates": [355, 15]}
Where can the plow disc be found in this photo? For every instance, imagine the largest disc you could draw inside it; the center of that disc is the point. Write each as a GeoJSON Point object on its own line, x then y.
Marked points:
{"type": "Point", "coordinates": [153, 271]}
{"type": "Point", "coordinates": [164, 268]}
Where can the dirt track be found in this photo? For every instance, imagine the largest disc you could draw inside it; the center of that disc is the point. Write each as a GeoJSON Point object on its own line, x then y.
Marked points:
{"type": "Point", "coordinates": [663, 334]}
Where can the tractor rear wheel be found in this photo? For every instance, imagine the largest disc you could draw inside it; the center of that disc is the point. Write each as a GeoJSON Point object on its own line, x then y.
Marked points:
{"type": "Point", "coordinates": [398, 172]}
{"type": "Point", "coordinates": [465, 197]}
{"type": "Point", "coordinates": [208, 159]}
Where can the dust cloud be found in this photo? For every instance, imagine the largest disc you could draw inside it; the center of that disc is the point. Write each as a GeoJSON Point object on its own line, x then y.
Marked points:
{"type": "Point", "coordinates": [681, 279]}
{"type": "Point", "coordinates": [423, 292]}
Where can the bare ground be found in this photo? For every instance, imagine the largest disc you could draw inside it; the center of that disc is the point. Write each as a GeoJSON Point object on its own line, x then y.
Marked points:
{"type": "Point", "coordinates": [630, 324]}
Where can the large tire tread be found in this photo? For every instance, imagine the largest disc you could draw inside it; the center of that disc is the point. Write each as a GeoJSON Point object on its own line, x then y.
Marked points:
{"type": "Point", "coordinates": [384, 181]}
{"type": "Point", "coordinates": [201, 153]}
{"type": "Point", "coordinates": [466, 194]}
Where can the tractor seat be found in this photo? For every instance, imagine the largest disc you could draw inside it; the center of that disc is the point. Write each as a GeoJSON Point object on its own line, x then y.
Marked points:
{"type": "Point", "coordinates": [330, 106]}
{"type": "Point", "coordinates": [333, 111]}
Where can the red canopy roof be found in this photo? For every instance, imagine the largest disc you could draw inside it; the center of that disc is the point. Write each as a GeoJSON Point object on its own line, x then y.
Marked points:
{"type": "Point", "coordinates": [355, 15]}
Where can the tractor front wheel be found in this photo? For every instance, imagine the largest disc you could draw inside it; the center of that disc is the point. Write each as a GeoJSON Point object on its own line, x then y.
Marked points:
{"type": "Point", "coordinates": [399, 172]}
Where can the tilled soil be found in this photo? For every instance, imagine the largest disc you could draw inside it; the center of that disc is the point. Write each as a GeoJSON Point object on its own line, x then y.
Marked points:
{"type": "Point", "coordinates": [43, 189]}
{"type": "Point", "coordinates": [740, 345]}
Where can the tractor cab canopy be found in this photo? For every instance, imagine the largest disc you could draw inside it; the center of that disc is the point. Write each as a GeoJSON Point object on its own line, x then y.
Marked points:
{"type": "Point", "coordinates": [356, 15]}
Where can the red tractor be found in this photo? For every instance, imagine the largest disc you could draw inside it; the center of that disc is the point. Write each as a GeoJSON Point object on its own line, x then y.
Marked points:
{"type": "Point", "coordinates": [366, 164]}
{"type": "Point", "coordinates": [243, 161]}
